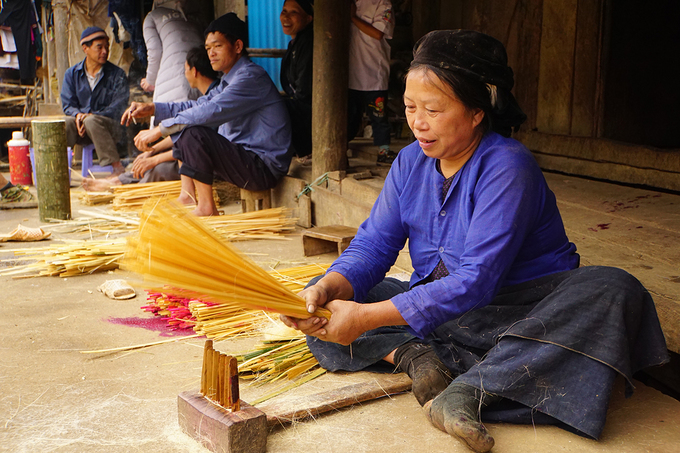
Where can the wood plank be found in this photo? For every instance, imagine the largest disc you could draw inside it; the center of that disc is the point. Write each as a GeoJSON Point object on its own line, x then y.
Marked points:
{"type": "Point", "coordinates": [19, 205]}
{"type": "Point", "coordinates": [609, 171]}
{"type": "Point", "coordinates": [292, 410]}
{"type": "Point", "coordinates": [12, 122]}
{"type": "Point", "coordinates": [652, 166]}
{"type": "Point", "coordinates": [327, 239]}
{"type": "Point", "coordinates": [556, 69]}
{"type": "Point", "coordinates": [586, 68]}
{"type": "Point", "coordinates": [528, 56]}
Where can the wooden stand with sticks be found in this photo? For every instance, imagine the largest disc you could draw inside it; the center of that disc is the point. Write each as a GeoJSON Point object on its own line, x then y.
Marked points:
{"type": "Point", "coordinates": [216, 416]}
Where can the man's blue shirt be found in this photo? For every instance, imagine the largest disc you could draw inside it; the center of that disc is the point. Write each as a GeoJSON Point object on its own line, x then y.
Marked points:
{"type": "Point", "coordinates": [247, 109]}
{"type": "Point", "coordinates": [498, 226]}
{"type": "Point", "coordinates": [109, 97]}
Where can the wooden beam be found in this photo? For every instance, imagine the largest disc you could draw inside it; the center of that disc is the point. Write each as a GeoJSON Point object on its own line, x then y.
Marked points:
{"type": "Point", "coordinates": [605, 159]}
{"type": "Point", "coordinates": [17, 122]}
{"type": "Point", "coordinates": [329, 91]}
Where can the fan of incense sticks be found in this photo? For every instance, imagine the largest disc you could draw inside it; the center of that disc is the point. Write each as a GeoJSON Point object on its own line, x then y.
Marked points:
{"type": "Point", "coordinates": [175, 248]}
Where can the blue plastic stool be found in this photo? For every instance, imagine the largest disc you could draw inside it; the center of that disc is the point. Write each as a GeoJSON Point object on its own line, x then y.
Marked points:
{"type": "Point", "coordinates": [88, 166]}
{"type": "Point", "coordinates": [70, 159]}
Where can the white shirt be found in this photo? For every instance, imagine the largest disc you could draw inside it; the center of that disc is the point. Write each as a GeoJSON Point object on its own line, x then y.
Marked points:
{"type": "Point", "coordinates": [93, 79]}
{"type": "Point", "coordinates": [369, 58]}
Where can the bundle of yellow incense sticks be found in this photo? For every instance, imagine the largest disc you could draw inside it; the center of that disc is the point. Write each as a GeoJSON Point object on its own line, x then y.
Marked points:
{"type": "Point", "coordinates": [175, 248]}
{"type": "Point", "coordinates": [129, 197]}
{"type": "Point", "coordinates": [70, 258]}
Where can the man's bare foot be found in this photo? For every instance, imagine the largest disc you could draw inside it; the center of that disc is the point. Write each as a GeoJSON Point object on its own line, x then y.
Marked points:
{"type": "Point", "coordinates": [456, 411]}
{"type": "Point", "coordinates": [118, 169]}
{"type": "Point", "coordinates": [205, 212]}
{"type": "Point", "coordinates": [186, 199]}
{"type": "Point", "coordinates": [100, 185]}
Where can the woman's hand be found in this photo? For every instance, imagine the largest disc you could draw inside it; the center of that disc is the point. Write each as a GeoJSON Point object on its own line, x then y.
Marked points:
{"type": "Point", "coordinates": [346, 323]}
{"type": "Point", "coordinates": [344, 327]}
{"type": "Point", "coordinates": [315, 296]}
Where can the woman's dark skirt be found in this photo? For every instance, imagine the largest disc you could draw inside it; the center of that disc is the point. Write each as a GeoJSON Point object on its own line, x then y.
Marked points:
{"type": "Point", "coordinates": [551, 347]}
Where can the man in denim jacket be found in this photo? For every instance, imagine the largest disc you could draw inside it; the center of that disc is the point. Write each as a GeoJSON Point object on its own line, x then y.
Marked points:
{"type": "Point", "coordinates": [94, 95]}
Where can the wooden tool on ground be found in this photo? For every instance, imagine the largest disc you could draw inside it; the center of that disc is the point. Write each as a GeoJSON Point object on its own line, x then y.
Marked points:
{"type": "Point", "coordinates": [216, 417]}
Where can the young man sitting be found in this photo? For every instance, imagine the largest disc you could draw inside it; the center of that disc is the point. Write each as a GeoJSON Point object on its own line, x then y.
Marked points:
{"type": "Point", "coordinates": [158, 164]}
{"type": "Point", "coordinates": [250, 149]}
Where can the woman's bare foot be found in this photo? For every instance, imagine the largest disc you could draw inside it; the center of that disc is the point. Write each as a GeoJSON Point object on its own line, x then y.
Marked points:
{"type": "Point", "coordinates": [100, 185]}
{"type": "Point", "coordinates": [456, 411]}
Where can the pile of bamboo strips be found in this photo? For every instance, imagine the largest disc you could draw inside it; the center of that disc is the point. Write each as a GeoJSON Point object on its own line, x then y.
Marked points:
{"type": "Point", "coordinates": [287, 362]}
{"type": "Point", "coordinates": [176, 249]}
{"type": "Point", "coordinates": [264, 224]}
{"type": "Point", "coordinates": [94, 198]}
{"type": "Point", "coordinates": [131, 197]}
{"type": "Point", "coordinates": [97, 222]}
{"type": "Point", "coordinates": [70, 258]}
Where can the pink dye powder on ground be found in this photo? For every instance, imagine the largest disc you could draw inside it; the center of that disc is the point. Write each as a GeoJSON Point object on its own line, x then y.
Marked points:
{"type": "Point", "coordinates": [155, 324]}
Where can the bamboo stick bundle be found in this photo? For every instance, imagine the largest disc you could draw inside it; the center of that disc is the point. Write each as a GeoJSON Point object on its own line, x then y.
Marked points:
{"type": "Point", "coordinates": [215, 320]}
{"type": "Point", "coordinates": [172, 308]}
{"type": "Point", "coordinates": [97, 222]}
{"type": "Point", "coordinates": [266, 223]}
{"type": "Point", "coordinates": [94, 198]}
{"type": "Point", "coordinates": [296, 278]}
{"type": "Point", "coordinates": [175, 248]}
{"type": "Point", "coordinates": [131, 197]}
{"type": "Point", "coordinates": [287, 362]}
{"type": "Point", "coordinates": [70, 258]}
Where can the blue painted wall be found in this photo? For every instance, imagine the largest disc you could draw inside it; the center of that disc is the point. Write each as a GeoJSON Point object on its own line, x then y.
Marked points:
{"type": "Point", "coordinates": [264, 32]}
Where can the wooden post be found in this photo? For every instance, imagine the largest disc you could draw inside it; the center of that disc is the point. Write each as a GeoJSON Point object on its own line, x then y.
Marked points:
{"type": "Point", "coordinates": [60, 11]}
{"type": "Point", "coordinates": [47, 64]}
{"type": "Point", "coordinates": [329, 91]}
{"type": "Point", "coordinates": [51, 162]}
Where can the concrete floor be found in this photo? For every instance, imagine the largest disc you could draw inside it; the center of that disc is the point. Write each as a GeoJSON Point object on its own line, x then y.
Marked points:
{"type": "Point", "coordinates": [55, 399]}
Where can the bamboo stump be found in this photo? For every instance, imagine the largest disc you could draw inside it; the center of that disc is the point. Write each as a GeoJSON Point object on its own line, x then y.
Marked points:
{"type": "Point", "coordinates": [51, 162]}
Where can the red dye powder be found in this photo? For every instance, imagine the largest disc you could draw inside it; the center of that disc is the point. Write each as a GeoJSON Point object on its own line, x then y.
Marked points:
{"type": "Point", "coordinates": [155, 324]}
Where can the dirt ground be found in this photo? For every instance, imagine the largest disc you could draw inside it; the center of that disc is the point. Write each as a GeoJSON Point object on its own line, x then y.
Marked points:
{"type": "Point", "coordinates": [53, 398]}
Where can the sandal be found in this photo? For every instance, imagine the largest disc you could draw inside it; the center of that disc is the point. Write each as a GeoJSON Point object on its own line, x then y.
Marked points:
{"type": "Point", "coordinates": [25, 234]}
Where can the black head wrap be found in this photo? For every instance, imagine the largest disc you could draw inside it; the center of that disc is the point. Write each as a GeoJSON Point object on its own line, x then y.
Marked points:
{"type": "Point", "coordinates": [229, 24]}
{"type": "Point", "coordinates": [307, 5]}
{"type": "Point", "coordinates": [477, 57]}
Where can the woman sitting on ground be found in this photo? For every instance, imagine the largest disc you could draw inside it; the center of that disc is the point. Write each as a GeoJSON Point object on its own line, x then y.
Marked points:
{"type": "Point", "coordinates": [498, 318]}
